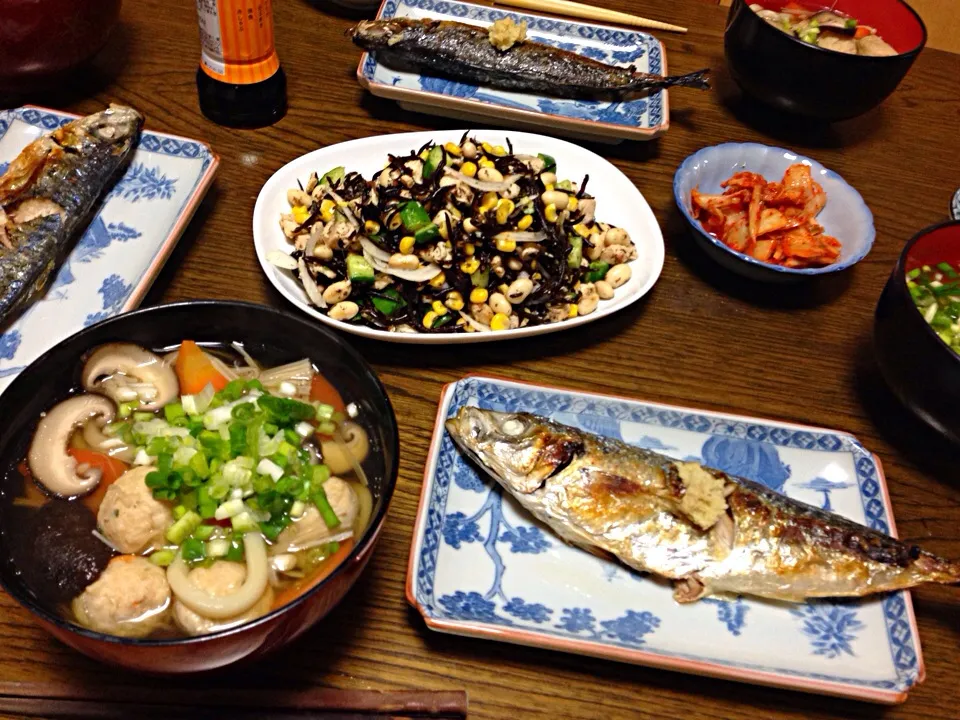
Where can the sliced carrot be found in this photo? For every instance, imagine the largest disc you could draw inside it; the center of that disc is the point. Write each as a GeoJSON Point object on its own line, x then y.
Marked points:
{"type": "Point", "coordinates": [322, 391]}
{"type": "Point", "coordinates": [861, 32]}
{"type": "Point", "coordinates": [195, 371]}
{"type": "Point", "coordinates": [321, 573]}
{"type": "Point", "coordinates": [110, 469]}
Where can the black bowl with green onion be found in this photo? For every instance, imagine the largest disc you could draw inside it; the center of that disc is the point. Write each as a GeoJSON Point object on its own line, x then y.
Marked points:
{"type": "Point", "coordinates": [226, 457]}
{"type": "Point", "coordinates": [917, 328]}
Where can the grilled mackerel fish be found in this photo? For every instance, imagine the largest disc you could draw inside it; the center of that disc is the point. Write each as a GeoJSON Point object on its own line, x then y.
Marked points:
{"type": "Point", "coordinates": [499, 56]}
{"type": "Point", "coordinates": [48, 193]}
{"type": "Point", "coordinates": [703, 529]}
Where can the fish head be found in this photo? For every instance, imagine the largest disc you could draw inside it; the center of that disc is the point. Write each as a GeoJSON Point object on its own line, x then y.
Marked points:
{"type": "Point", "coordinates": [117, 126]}
{"type": "Point", "coordinates": [521, 451]}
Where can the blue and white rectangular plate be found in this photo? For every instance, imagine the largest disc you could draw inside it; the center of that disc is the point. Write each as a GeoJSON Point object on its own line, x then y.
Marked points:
{"type": "Point", "coordinates": [637, 119]}
{"type": "Point", "coordinates": [481, 566]}
{"type": "Point", "coordinates": [126, 244]}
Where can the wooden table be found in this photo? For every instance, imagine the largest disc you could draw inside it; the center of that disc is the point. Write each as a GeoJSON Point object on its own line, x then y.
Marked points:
{"type": "Point", "coordinates": [702, 338]}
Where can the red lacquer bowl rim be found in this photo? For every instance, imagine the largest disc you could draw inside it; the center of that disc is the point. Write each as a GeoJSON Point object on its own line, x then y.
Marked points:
{"type": "Point", "coordinates": [900, 278]}
{"type": "Point", "coordinates": [848, 57]}
{"type": "Point", "coordinates": [356, 553]}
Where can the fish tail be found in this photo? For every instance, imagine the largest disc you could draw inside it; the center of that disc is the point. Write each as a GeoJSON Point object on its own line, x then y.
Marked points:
{"type": "Point", "coordinates": [696, 79]}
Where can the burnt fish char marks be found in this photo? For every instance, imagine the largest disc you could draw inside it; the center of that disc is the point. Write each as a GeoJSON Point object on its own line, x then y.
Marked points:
{"type": "Point", "coordinates": [485, 57]}
{"type": "Point", "coordinates": [703, 529]}
{"type": "Point", "coordinates": [47, 196]}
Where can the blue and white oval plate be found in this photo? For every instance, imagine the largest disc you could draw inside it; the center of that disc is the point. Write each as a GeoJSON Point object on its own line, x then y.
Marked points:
{"type": "Point", "coordinates": [481, 566]}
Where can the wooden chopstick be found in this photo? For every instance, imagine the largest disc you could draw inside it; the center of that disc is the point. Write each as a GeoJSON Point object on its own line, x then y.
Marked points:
{"type": "Point", "coordinates": [84, 701]}
{"type": "Point", "coordinates": [589, 12]}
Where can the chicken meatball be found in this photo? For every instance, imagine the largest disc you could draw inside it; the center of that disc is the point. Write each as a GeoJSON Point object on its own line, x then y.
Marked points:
{"type": "Point", "coordinates": [221, 578]}
{"type": "Point", "coordinates": [130, 517]}
{"type": "Point", "coordinates": [310, 527]}
{"type": "Point", "coordinates": [131, 598]}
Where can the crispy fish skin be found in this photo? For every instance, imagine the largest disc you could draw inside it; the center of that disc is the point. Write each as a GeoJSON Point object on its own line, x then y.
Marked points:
{"type": "Point", "coordinates": [464, 52]}
{"type": "Point", "coordinates": [48, 193]}
{"type": "Point", "coordinates": [602, 494]}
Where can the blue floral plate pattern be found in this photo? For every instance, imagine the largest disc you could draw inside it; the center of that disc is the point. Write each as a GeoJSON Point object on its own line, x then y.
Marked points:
{"type": "Point", "coordinates": [482, 566]}
{"type": "Point", "coordinates": [113, 265]}
{"type": "Point", "coordinates": [637, 119]}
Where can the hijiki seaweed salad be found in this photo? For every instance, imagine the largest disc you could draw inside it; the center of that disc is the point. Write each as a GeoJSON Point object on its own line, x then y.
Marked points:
{"type": "Point", "coordinates": [466, 237]}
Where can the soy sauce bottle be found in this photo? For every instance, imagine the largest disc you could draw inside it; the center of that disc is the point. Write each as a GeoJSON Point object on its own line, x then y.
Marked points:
{"type": "Point", "coordinates": [240, 81]}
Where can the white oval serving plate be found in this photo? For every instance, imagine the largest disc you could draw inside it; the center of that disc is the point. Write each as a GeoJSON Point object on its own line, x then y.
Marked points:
{"type": "Point", "coordinates": [619, 202]}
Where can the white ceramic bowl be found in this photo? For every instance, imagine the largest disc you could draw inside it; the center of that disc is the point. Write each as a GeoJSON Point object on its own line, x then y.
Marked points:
{"type": "Point", "coordinates": [619, 202]}
{"type": "Point", "coordinates": [845, 216]}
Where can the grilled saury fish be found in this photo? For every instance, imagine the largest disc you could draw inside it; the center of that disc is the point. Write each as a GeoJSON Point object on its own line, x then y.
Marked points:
{"type": "Point", "coordinates": [478, 55]}
{"type": "Point", "coordinates": [48, 193]}
{"type": "Point", "coordinates": [706, 530]}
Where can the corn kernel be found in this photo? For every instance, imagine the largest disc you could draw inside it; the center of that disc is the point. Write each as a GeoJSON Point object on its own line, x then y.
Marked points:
{"type": "Point", "coordinates": [454, 300]}
{"type": "Point", "coordinates": [548, 186]}
{"type": "Point", "coordinates": [462, 321]}
{"type": "Point", "coordinates": [504, 208]}
{"type": "Point", "coordinates": [485, 162]}
{"type": "Point", "coordinates": [371, 226]}
{"type": "Point", "coordinates": [489, 200]}
{"type": "Point", "coordinates": [469, 169]}
{"type": "Point", "coordinates": [300, 213]}
{"type": "Point", "coordinates": [423, 154]}
{"type": "Point", "coordinates": [572, 203]}
{"type": "Point", "coordinates": [499, 150]}
{"type": "Point", "coordinates": [394, 222]}
{"type": "Point", "coordinates": [487, 147]}
{"type": "Point", "coordinates": [438, 307]}
{"type": "Point", "coordinates": [525, 222]}
{"type": "Point", "coordinates": [506, 245]}
{"type": "Point", "coordinates": [430, 317]}
{"type": "Point", "coordinates": [479, 295]}
{"type": "Point", "coordinates": [581, 230]}
{"type": "Point", "coordinates": [326, 210]}
{"type": "Point", "coordinates": [469, 248]}
{"type": "Point", "coordinates": [501, 322]}
{"type": "Point", "coordinates": [536, 276]}
{"type": "Point", "coordinates": [470, 266]}
{"type": "Point", "coordinates": [503, 288]}
{"type": "Point", "coordinates": [406, 244]}
{"type": "Point", "coordinates": [550, 213]}
{"type": "Point", "coordinates": [452, 148]}
{"type": "Point", "coordinates": [572, 310]}
{"type": "Point", "coordinates": [438, 280]}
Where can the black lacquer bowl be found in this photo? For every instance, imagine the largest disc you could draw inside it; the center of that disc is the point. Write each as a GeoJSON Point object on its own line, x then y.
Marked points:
{"type": "Point", "coordinates": [781, 70]}
{"type": "Point", "coordinates": [920, 368]}
{"type": "Point", "coordinates": [272, 337]}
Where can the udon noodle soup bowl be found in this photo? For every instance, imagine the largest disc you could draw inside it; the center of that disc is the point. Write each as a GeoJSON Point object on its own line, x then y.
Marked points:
{"type": "Point", "coordinates": [271, 337]}
{"type": "Point", "coordinates": [785, 72]}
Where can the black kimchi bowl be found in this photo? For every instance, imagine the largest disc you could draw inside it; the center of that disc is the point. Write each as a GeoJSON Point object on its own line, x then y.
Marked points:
{"type": "Point", "coordinates": [274, 338]}
{"type": "Point", "coordinates": [921, 369]}
{"type": "Point", "coordinates": [782, 71]}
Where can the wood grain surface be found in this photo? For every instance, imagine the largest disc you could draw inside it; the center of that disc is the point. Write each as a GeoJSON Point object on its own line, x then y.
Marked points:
{"type": "Point", "coordinates": [702, 338]}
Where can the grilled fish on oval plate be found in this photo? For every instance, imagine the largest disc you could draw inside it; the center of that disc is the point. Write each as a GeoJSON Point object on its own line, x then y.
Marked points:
{"type": "Point", "coordinates": [481, 565]}
{"type": "Point", "coordinates": [618, 202]}
{"type": "Point", "coordinates": [640, 118]}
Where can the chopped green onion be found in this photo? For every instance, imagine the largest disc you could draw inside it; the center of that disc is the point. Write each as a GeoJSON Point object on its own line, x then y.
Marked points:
{"type": "Point", "coordinates": [193, 550]}
{"type": "Point", "coordinates": [330, 518]}
{"type": "Point", "coordinates": [163, 558]}
{"type": "Point", "coordinates": [182, 528]}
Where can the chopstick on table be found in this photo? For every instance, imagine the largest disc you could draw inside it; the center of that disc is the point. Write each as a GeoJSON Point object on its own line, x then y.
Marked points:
{"type": "Point", "coordinates": [589, 12]}
{"type": "Point", "coordinates": [76, 701]}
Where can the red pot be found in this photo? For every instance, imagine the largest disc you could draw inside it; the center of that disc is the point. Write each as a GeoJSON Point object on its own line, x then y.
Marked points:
{"type": "Point", "coordinates": [40, 38]}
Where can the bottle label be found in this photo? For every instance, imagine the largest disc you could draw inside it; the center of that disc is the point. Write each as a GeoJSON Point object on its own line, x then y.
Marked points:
{"type": "Point", "coordinates": [236, 40]}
